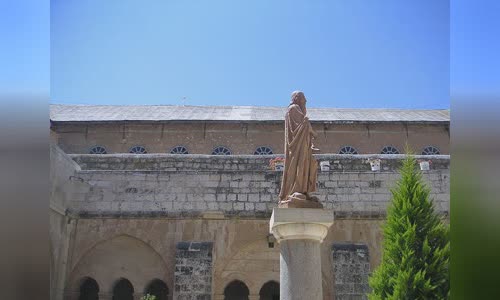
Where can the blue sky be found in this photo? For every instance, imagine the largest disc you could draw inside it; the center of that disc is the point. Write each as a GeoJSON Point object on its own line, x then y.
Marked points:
{"type": "Point", "coordinates": [388, 53]}
{"type": "Point", "coordinates": [475, 63]}
{"type": "Point", "coordinates": [24, 47]}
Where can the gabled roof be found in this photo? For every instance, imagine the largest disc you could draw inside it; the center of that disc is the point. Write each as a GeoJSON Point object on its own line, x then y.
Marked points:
{"type": "Point", "coordinates": [158, 113]}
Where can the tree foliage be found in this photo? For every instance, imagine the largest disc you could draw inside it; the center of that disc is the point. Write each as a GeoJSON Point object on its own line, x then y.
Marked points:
{"type": "Point", "coordinates": [416, 247]}
{"type": "Point", "coordinates": [148, 297]}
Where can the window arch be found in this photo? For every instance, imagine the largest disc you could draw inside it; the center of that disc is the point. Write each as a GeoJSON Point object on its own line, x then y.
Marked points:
{"type": "Point", "coordinates": [98, 150]}
{"type": "Point", "coordinates": [89, 290]}
{"type": "Point", "coordinates": [221, 150]}
{"type": "Point", "coordinates": [389, 150]}
{"type": "Point", "coordinates": [431, 150]}
{"type": "Point", "coordinates": [263, 150]}
{"type": "Point", "coordinates": [348, 150]}
{"type": "Point", "coordinates": [179, 150]}
{"type": "Point", "coordinates": [138, 150]}
{"type": "Point", "coordinates": [123, 290]}
{"type": "Point", "coordinates": [270, 291]}
{"type": "Point", "coordinates": [157, 288]}
{"type": "Point", "coordinates": [236, 290]}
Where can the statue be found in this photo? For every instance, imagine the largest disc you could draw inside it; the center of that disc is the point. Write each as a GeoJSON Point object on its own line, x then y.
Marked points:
{"type": "Point", "coordinates": [301, 169]}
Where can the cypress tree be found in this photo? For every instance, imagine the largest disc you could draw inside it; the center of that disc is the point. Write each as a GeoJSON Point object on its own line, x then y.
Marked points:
{"type": "Point", "coordinates": [416, 247]}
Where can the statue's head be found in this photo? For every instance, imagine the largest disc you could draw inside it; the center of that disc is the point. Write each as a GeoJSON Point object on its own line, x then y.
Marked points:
{"type": "Point", "coordinates": [299, 99]}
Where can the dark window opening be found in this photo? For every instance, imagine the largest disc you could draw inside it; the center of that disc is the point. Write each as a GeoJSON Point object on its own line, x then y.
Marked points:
{"type": "Point", "coordinates": [123, 290]}
{"type": "Point", "coordinates": [270, 291]}
{"type": "Point", "coordinates": [89, 290]}
{"type": "Point", "coordinates": [236, 290]}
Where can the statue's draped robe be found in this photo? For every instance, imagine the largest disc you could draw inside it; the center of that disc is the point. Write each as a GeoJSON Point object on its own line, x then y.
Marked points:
{"type": "Point", "coordinates": [301, 168]}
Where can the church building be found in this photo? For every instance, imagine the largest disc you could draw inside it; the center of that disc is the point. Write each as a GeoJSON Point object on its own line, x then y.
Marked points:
{"type": "Point", "coordinates": [175, 201]}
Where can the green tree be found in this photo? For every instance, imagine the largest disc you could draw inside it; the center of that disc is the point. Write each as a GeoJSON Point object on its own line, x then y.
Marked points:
{"type": "Point", "coordinates": [148, 297]}
{"type": "Point", "coordinates": [416, 246]}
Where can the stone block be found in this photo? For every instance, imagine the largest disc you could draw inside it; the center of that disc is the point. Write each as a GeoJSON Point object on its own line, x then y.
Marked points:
{"type": "Point", "coordinates": [238, 206]}
{"type": "Point", "coordinates": [249, 206]}
{"type": "Point", "coordinates": [253, 197]}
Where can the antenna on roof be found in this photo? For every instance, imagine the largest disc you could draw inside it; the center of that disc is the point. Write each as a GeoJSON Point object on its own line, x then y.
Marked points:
{"type": "Point", "coordinates": [183, 101]}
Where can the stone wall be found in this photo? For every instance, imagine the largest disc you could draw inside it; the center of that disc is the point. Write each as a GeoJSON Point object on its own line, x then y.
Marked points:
{"type": "Point", "coordinates": [201, 137]}
{"type": "Point", "coordinates": [234, 186]}
{"type": "Point", "coordinates": [62, 171]}
{"type": "Point", "coordinates": [193, 271]}
{"type": "Point", "coordinates": [351, 268]}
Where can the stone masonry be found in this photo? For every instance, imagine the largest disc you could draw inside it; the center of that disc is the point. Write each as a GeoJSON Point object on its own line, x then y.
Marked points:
{"type": "Point", "coordinates": [235, 186]}
{"type": "Point", "coordinates": [193, 271]}
{"type": "Point", "coordinates": [351, 268]}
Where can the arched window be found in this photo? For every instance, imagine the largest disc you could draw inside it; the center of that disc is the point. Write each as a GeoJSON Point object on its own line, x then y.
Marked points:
{"type": "Point", "coordinates": [389, 150]}
{"type": "Point", "coordinates": [431, 150]}
{"type": "Point", "coordinates": [157, 288]}
{"type": "Point", "coordinates": [221, 150]}
{"type": "Point", "coordinates": [98, 150]}
{"type": "Point", "coordinates": [348, 150]}
{"type": "Point", "coordinates": [89, 290]}
{"type": "Point", "coordinates": [263, 150]}
{"type": "Point", "coordinates": [179, 150]}
{"type": "Point", "coordinates": [270, 291]}
{"type": "Point", "coordinates": [138, 150]}
{"type": "Point", "coordinates": [236, 290]}
{"type": "Point", "coordinates": [123, 290]}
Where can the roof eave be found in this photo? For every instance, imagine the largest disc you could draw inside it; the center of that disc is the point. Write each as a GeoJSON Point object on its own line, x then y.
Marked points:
{"type": "Point", "coordinates": [74, 122]}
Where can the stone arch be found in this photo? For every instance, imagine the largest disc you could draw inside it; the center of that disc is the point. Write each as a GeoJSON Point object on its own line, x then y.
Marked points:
{"type": "Point", "coordinates": [123, 290]}
{"type": "Point", "coordinates": [254, 263]}
{"type": "Point", "coordinates": [122, 256]}
{"type": "Point", "coordinates": [270, 291]}
{"type": "Point", "coordinates": [87, 242]}
{"type": "Point", "coordinates": [158, 288]}
{"type": "Point", "coordinates": [89, 289]}
{"type": "Point", "coordinates": [236, 290]}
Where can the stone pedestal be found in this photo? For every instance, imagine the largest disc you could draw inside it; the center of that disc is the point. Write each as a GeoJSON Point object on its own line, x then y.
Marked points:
{"type": "Point", "coordinates": [300, 231]}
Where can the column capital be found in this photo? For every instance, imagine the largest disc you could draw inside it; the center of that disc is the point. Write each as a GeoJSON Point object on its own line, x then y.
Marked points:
{"type": "Point", "coordinates": [300, 223]}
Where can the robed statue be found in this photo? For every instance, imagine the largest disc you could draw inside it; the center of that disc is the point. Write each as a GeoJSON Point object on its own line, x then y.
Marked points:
{"type": "Point", "coordinates": [301, 169]}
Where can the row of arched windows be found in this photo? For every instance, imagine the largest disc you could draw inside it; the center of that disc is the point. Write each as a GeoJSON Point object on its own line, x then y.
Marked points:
{"type": "Point", "coordinates": [263, 150]}
{"type": "Point", "coordinates": [219, 150]}
{"type": "Point", "coordinates": [429, 150]}
{"type": "Point", "coordinates": [238, 290]}
{"type": "Point", "coordinates": [122, 290]}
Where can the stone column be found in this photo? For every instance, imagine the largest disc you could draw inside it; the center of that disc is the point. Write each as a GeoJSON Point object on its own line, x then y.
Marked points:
{"type": "Point", "coordinates": [300, 232]}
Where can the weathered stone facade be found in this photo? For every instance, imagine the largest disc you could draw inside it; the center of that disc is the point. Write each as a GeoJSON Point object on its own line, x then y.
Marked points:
{"type": "Point", "coordinates": [239, 186]}
{"type": "Point", "coordinates": [193, 271]}
{"type": "Point", "coordinates": [130, 216]}
{"type": "Point", "coordinates": [351, 268]}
